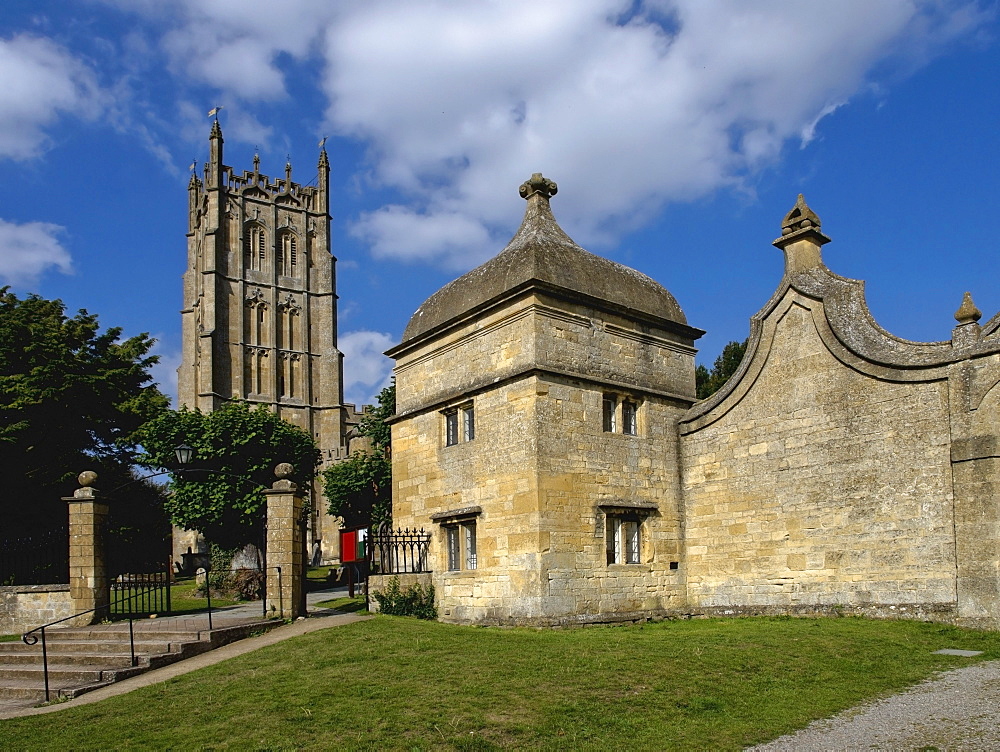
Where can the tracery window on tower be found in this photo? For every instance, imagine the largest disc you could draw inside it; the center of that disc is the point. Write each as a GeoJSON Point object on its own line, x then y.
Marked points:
{"type": "Point", "coordinates": [290, 377]}
{"type": "Point", "coordinates": [255, 370]}
{"type": "Point", "coordinates": [287, 250]}
{"type": "Point", "coordinates": [289, 322]}
{"type": "Point", "coordinates": [255, 320]}
{"type": "Point", "coordinates": [254, 246]}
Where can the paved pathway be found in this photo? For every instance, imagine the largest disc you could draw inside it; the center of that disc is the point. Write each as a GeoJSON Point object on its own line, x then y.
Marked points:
{"type": "Point", "coordinates": [957, 710]}
{"type": "Point", "coordinates": [319, 618]}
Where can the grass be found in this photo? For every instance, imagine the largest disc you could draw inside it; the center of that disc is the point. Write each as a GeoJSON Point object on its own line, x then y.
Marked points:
{"type": "Point", "coordinates": [185, 598]}
{"type": "Point", "coordinates": [394, 683]}
{"type": "Point", "coordinates": [348, 605]}
{"type": "Point", "coordinates": [9, 637]}
{"type": "Point", "coordinates": [318, 578]}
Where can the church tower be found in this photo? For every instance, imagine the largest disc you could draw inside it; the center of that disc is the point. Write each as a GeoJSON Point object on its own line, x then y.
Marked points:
{"type": "Point", "coordinates": [260, 304]}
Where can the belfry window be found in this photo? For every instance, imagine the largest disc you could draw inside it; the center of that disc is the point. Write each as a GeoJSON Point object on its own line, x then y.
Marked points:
{"type": "Point", "coordinates": [287, 254]}
{"type": "Point", "coordinates": [254, 244]}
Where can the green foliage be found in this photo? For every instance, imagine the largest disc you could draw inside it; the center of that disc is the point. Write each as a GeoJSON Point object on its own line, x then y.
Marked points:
{"type": "Point", "coordinates": [374, 424]}
{"type": "Point", "coordinates": [414, 601]}
{"type": "Point", "coordinates": [709, 382]}
{"type": "Point", "coordinates": [359, 489]}
{"type": "Point", "coordinates": [236, 451]}
{"type": "Point", "coordinates": [71, 399]}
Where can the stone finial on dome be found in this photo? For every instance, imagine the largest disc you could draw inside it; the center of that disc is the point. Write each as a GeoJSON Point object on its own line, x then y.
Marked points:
{"type": "Point", "coordinates": [801, 238]}
{"type": "Point", "coordinates": [537, 184]}
{"type": "Point", "coordinates": [801, 217]}
{"type": "Point", "coordinates": [968, 313]}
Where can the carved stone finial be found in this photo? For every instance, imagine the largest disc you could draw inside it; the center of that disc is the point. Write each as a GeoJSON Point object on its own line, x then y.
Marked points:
{"type": "Point", "coordinates": [324, 160]}
{"type": "Point", "coordinates": [87, 478]}
{"type": "Point", "coordinates": [967, 313]}
{"type": "Point", "coordinates": [538, 184]}
{"type": "Point", "coordinates": [283, 470]}
{"type": "Point", "coordinates": [216, 129]}
{"type": "Point", "coordinates": [256, 162]}
{"type": "Point", "coordinates": [801, 217]}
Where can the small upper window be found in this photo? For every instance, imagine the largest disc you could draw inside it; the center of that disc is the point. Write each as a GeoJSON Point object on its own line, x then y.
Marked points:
{"type": "Point", "coordinates": [620, 415]}
{"type": "Point", "coordinates": [459, 424]}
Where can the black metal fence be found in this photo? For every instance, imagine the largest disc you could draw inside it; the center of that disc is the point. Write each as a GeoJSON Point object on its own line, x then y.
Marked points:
{"type": "Point", "coordinates": [399, 551]}
{"type": "Point", "coordinates": [146, 593]}
{"type": "Point", "coordinates": [37, 559]}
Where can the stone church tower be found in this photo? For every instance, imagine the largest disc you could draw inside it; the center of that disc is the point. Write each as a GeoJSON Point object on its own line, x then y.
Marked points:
{"type": "Point", "coordinates": [260, 304]}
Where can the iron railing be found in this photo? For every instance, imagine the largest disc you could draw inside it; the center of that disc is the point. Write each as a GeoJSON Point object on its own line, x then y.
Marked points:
{"type": "Point", "coordinates": [30, 638]}
{"type": "Point", "coordinates": [147, 593]}
{"type": "Point", "coordinates": [39, 559]}
{"type": "Point", "coordinates": [399, 551]}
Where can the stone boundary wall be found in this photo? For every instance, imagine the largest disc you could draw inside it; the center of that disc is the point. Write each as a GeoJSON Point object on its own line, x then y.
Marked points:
{"type": "Point", "coordinates": [24, 607]}
{"type": "Point", "coordinates": [381, 582]}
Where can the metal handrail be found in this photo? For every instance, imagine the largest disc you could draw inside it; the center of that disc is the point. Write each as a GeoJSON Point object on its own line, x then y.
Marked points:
{"type": "Point", "coordinates": [29, 638]}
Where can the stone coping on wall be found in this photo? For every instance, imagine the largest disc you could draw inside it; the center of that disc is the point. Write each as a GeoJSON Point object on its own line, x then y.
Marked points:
{"type": "Point", "coordinates": [34, 588]}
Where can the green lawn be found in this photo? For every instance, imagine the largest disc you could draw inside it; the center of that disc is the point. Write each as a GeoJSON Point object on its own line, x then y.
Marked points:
{"type": "Point", "coordinates": [395, 683]}
{"type": "Point", "coordinates": [348, 605]}
{"type": "Point", "coordinates": [185, 598]}
{"type": "Point", "coordinates": [9, 637]}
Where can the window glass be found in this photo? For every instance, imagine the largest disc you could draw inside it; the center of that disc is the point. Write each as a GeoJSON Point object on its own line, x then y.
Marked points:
{"type": "Point", "coordinates": [468, 424]}
{"type": "Point", "coordinates": [451, 534]}
{"type": "Point", "coordinates": [609, 413]}
{"type": "Point", "coordinates": [451, 427]}
{"type": "Point", "coordinates": [629, 418]}
{"type": "Point", "coordinates": [470, 546]}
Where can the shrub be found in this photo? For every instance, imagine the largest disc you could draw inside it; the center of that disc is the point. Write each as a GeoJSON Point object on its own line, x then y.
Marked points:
{"type": "Point", "coordinates": [414, 601]}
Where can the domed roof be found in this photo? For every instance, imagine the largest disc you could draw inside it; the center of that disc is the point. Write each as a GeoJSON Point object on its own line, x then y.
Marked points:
{"type": "Point", "coordinates": [541, 254]}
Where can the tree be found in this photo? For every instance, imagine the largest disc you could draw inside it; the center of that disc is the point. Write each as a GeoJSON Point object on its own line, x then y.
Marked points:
{"type": "Point", "coordinates": [236, 451]}
{"type": "Point", "coordinates": [708, 382]}
{"type": "Point", "coordinates": [360, 488]}
{"type": "Point", "coordinates": [71, 398]}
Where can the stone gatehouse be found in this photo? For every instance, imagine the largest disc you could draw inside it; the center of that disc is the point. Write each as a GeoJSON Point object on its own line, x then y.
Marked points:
{"type": "Point", "coordinates": [547, 432]}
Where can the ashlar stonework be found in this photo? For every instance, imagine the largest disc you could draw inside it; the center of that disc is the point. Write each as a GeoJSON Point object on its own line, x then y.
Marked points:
{"type": "Point", "coordinates": [547, 432]}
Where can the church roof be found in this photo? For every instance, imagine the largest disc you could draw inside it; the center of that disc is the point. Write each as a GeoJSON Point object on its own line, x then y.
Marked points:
{"type": "Point", "coordinates": [542, 255]}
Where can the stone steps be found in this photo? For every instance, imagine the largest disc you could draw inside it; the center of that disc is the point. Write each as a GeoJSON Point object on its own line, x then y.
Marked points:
{"type": "Point", "coordinates": [82, 659]}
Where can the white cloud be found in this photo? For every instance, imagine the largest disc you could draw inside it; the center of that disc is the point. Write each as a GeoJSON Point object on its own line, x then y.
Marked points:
{"type": "Point", "coordinates": [165, 371]}
{"type": "Point", "coordinates": [459, 104]}
{"type": "Point", "coordinates": [452, 238]}
{"type": "Point", "coordinates": [40, 81]}
{"type": "Point", "coordinates": [234, 45]}
{"type": "Point", "coordinates": [366, 369]}
{"type": "Point", "coordinates": [28, 250]}
{"type": "Point", "coordinates": [628, 104]}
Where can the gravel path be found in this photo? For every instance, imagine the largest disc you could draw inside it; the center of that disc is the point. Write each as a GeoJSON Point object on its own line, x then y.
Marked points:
{"type": "Point", "coordinates": [958, 710]}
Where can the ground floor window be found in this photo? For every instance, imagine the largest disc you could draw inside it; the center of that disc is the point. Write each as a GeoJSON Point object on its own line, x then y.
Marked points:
{"type": "Point", "coordinates": [461, 541]}
{"type": "Point", "coordinates": [624, 539]}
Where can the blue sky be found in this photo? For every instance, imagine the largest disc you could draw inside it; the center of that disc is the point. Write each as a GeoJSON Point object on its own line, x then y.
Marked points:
{"type": "Point", "coordinates": [679, 134]}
